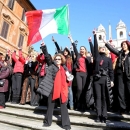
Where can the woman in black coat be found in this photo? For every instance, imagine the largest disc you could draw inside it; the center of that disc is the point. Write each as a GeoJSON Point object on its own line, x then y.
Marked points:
{"type": "Point", "coordinates": [122, 70]}
{"type": "Point", "coordinates": [102, 69]}
{"type": "Point", "coordinates": [54, 86]}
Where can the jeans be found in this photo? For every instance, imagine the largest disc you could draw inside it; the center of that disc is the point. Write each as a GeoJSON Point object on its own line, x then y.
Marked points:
{"type": "Point", "coordinates": [70, 97]}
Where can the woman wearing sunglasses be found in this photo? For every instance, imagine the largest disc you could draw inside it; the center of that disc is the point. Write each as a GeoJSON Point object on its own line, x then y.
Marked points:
{"type": "Point", "coordinates": [103, 78]}
{"type": "Point", "coordinates": [54, 86]}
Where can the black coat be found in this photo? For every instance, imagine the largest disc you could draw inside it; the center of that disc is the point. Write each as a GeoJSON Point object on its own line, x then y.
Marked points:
{"type": "Point", "coordinates": [46, 85]}
{"type": "Point", "coordinates": [104, 69]}
{"type": "Point", "coordinates": [30, 70]}
{"type": "Point", "coordinates": [120, 54]}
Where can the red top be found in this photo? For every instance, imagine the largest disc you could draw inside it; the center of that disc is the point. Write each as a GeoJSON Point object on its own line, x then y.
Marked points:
{"type": "Point", "coordinates": [60, 86]}
{"type": "Point", "coordinates": [41, 59]}
{"type": "Point", "coordinates": [113, 57]}
{"type": "Point", "coordinates": [19, 63]}
{"type": "Point", "coordinates": [82, 63]}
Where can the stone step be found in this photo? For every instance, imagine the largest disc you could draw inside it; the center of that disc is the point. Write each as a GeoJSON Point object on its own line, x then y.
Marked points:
{"type": "Point", "coordinates": [91, 114]}
{"type": "Point", "coordinates": [4, 126]}
{"type": "Point", "coordinates": [11, 122]}
{"type": "Point", "coordinates": [82, 121]}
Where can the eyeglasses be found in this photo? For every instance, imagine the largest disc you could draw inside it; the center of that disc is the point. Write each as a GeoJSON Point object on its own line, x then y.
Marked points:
{"type": "Point", "coordinates": [57, 59]}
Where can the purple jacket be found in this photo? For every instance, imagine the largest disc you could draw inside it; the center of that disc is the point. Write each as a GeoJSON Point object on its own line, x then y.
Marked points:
{"type": "Point", "coordinates": [4, 75]}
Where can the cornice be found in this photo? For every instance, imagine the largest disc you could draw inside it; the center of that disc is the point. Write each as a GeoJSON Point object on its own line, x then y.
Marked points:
{"type": "Point", "coordinates": [14, 14]}
{"type": "Point", "coordinates": [8, 18]}
{"type": "Point", "coordinates": [11, 45]}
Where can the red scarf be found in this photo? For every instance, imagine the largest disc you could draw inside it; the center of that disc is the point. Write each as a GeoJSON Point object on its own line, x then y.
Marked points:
{"type": "Point", "coordinates": [60, 89]}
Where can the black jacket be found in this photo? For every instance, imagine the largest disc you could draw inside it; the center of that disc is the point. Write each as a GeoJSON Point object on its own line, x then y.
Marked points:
{"type": "Point", "coordinates": [29, 68]}
{"type": "Point", "coordinates": [87, 61]}
{"type": "Point", "coordinates": [106, 61]}
{"type": "Point", "coordinates": [121, 54]}
{"type": "Point", "coordinates": [46, 85]}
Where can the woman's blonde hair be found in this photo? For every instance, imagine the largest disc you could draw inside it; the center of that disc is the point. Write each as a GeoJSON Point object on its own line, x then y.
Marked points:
{"type": "Point", "coordinates": [62, 58]}
{"type": "Point", "coordinates": [86, 52]}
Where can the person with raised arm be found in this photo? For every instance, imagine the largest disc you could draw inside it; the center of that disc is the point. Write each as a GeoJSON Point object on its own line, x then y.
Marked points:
{"type": "Point", "coordinates": [122, 70]}
{"type": "Point", "coordinates": [30, 78]}
{"type": "Point", "coordinates": [17, 76]}
{"type": "Point", "coordinates": [69, 64]}
{"type": "Point", "coordinates": [102, 71]}
{"type": "Point", "coordinates": [54, 86]}
{"type": "Point", "coordinates": [82, 67]}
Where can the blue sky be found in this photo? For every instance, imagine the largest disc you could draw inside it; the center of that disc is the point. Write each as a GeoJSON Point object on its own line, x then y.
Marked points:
{"type": "Point", "coordinates": [84, 17]}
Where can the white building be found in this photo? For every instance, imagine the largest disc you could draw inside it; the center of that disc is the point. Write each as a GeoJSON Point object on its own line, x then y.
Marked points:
{"type": "Point", "coordinates": [121, 32]}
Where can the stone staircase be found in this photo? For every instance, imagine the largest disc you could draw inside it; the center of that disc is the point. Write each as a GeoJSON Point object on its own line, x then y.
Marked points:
{"type": "Point", "coordinates": [26, 117]}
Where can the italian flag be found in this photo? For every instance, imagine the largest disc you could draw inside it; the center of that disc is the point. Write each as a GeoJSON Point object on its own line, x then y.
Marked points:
{"type": "Point", "coordinates": [44, 22]}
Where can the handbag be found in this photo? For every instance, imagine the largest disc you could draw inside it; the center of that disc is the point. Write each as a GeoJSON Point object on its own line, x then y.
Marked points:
{"type": "Point", "coordinates": [2, 82]}
{"type": "Point", "coordinates": [89, 94]}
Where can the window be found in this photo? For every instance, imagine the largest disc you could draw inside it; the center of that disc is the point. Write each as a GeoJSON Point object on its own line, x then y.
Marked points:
{"type": "Point", "coordinates": [23, 15]}
{"type": "Point", "coordinates": [11, 4]}
{"type": "Point", "coordinates": [121, 34]}
{"type": "Point", "coordinates": [100, 37]}
{"type": "Point", "coordinates": [4, 30]}
{"type": "Point", "coordinates": [21, 38]}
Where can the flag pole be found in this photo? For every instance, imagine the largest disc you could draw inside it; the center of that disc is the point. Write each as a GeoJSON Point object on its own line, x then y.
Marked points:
{"type": "Point", "coordinates": [68, 19]}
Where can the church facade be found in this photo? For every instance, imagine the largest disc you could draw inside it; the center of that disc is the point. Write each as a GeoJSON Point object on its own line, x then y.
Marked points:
{"type": "Point", "coordinates": [121, 32]}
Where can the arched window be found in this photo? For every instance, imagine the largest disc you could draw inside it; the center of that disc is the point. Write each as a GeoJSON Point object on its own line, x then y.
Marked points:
{"type": "Point", "coordinates": [100, 37]}
{"type": "Point", "coordinates": [121, 34]}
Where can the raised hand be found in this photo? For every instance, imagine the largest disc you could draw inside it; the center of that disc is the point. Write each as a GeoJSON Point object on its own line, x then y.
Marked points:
{"type": "Point", "coordinates": [11, 52]}
{"type": "Point", "coordinates": [70, 37]}
{"type": "Point", "coordinates": [90, 39]}
{"type": "Point", "coordinates": [94, 31]}
{"type": "Point", "coordinates": [42, 44]}
{"type": "Point", "coordinates": [7, 51]}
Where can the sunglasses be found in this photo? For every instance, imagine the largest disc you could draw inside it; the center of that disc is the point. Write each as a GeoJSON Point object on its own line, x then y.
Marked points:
{"type": "Point", "coordinates": [57, 59]}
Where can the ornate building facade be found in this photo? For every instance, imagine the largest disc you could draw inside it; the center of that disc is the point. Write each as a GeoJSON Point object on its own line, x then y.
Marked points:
{"type": "Point", "coordinates": [121, 32]}
{"type": "Point", "coordinates": [13, 27]}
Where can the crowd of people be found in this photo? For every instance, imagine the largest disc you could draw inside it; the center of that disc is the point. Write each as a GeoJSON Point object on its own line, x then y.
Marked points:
{"type": "Point", "coordinates": [99, 80]}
